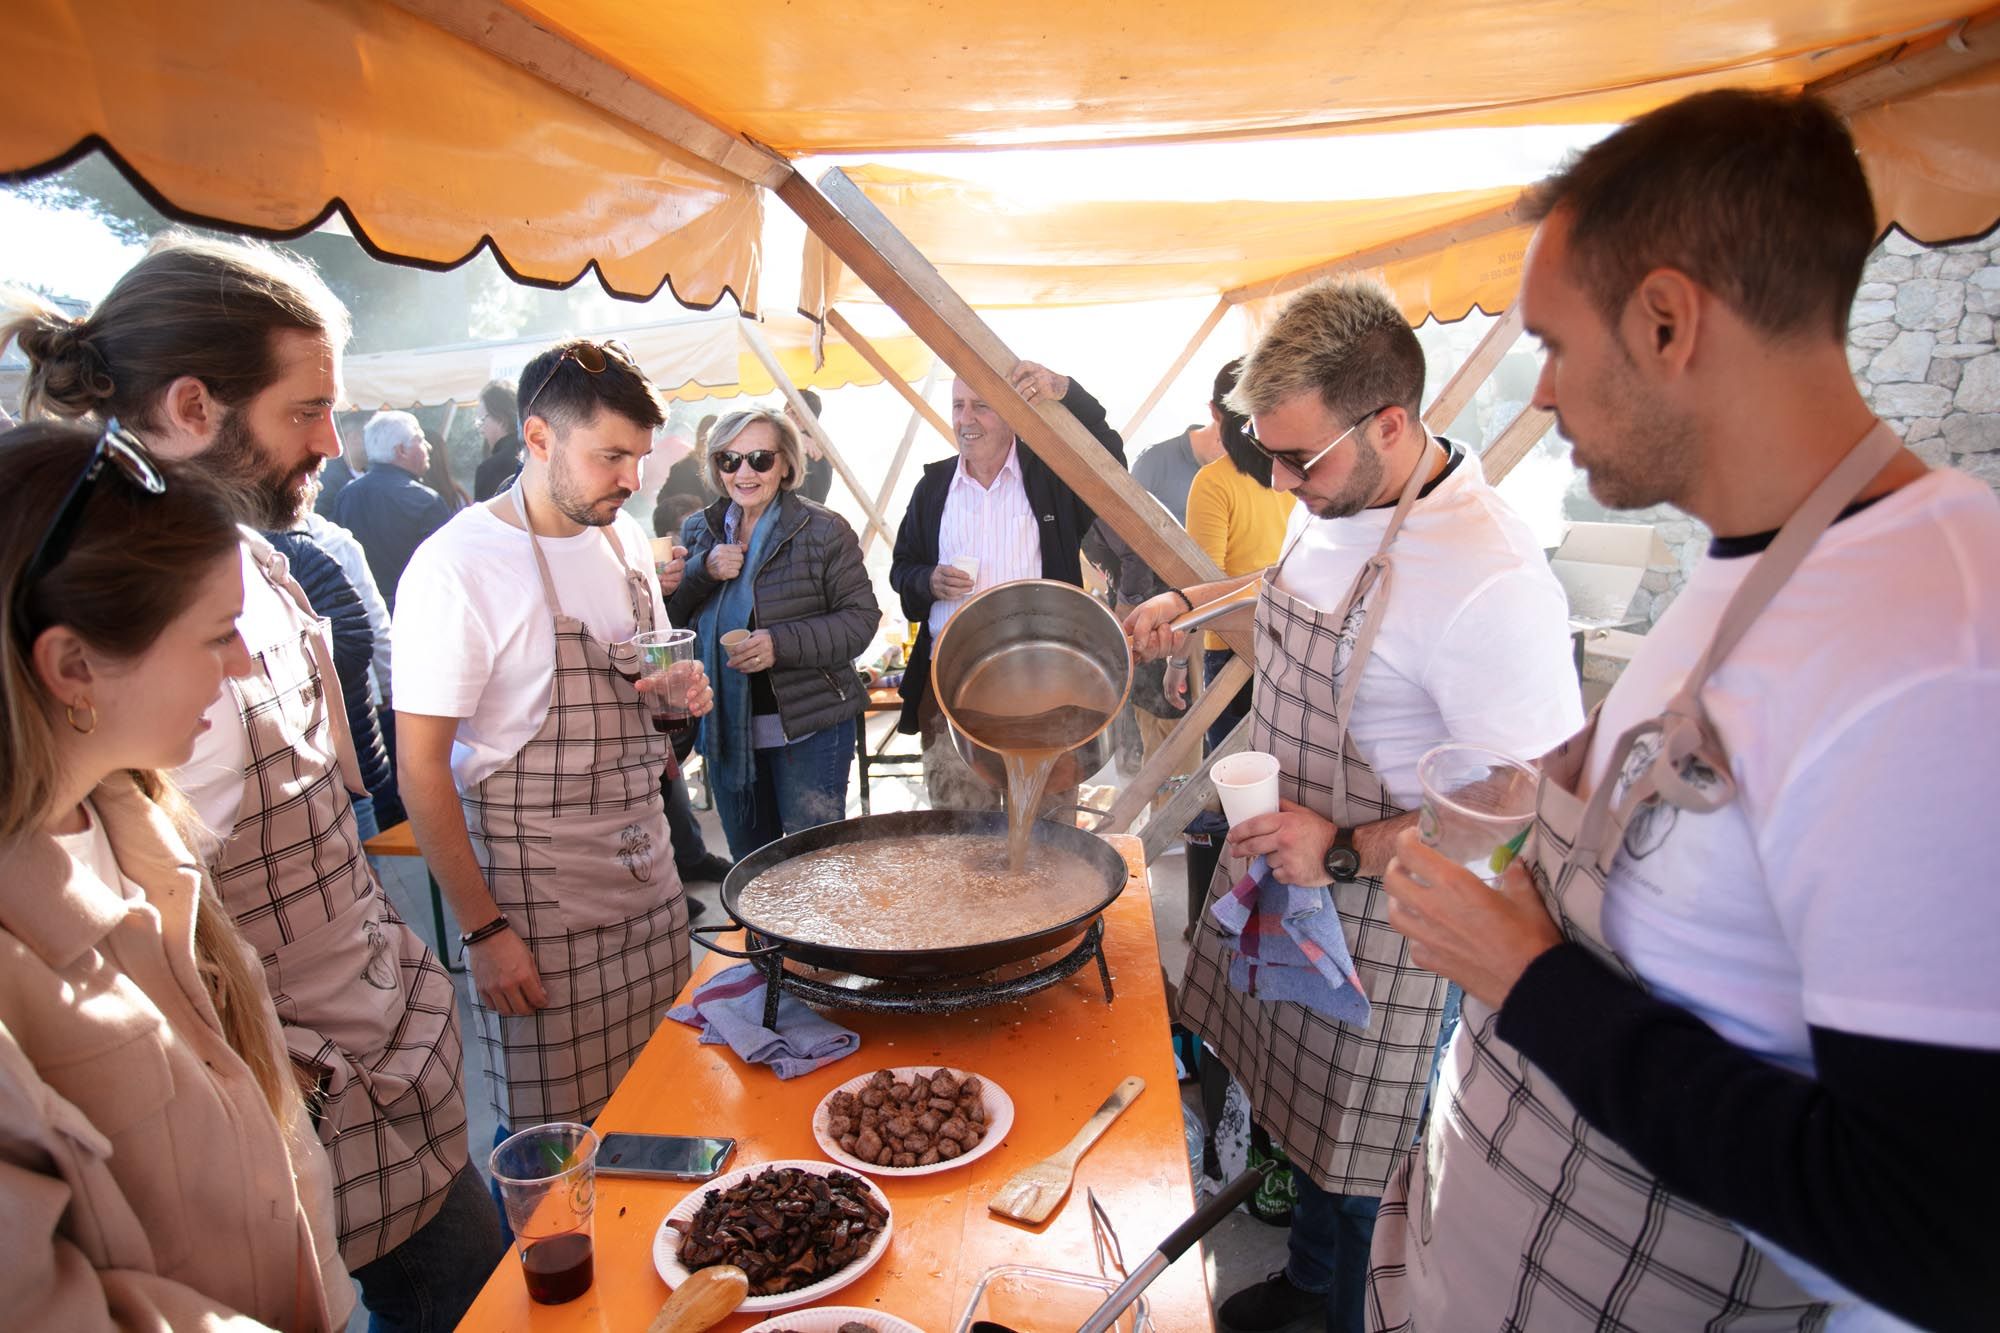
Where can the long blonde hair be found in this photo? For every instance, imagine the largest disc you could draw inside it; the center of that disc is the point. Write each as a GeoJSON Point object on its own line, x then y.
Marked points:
{"type": "Point", "coordinates": [124, 578]}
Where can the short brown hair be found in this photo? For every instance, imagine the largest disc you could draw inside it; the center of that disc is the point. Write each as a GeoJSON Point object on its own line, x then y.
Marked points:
{"type": "Point", "coordinates": [789, 450]}
{"type": "Point", "coordinates": [1342, 338]}
{"type": "Point", "coordinates": [192, 306]}
{"type": "Point", "coordinates": [501, 400]}
{"type": "Point", "coordinates": [566, 395]}
{"type": "Point", "coordinates": [1758, 197]}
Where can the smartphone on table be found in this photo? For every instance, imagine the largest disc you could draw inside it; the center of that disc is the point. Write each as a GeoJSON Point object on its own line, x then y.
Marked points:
{"type": "Point", "coordinates": [665, 1156]}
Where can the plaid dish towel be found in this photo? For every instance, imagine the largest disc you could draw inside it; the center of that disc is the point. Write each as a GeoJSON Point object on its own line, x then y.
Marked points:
{"type": "Point", "coordinates": [729, 1008]}
{"type": "Point", "coordinates": [1289, 946]}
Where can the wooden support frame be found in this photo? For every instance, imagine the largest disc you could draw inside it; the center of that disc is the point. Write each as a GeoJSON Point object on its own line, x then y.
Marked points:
{"type": "Point", "coordinates": [919, 402]}
{"type": "Point", "coordinates": [1152, 400]}
{"type": "Point", "coordinates": [1475, 370]}
{"type": "Point", "coordinates": [758, 343]}
{"type": "Point", "coordinates": [1926, 62]}
{"type": "Point", "coordinates": [1414, 246]}
{"type": "Point", "coordinates": [1512, 444]}
{"type": "Point", "coordinates": [1164, 827]}
{"type": "Point", "coordinates": [895, 473]}
{"type": "Point", "coordinates": [1176, 748]}
{"type": "Point", "coordinates": [854, 229]}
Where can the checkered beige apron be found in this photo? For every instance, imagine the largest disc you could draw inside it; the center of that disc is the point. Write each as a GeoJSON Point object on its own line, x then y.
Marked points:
{"type": "Point", "coordinates": [573, 840]}
{"type": "Point", "coordinates": [1342, 1103]}
{"type": "Point", "coordinates": [1524, 1216]}
{"type": "Point", "coordinates": [359, 993]}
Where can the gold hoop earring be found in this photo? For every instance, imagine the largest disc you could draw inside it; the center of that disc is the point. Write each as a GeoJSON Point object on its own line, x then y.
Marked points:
{"type": "Point", "coordinates": [69, 711]}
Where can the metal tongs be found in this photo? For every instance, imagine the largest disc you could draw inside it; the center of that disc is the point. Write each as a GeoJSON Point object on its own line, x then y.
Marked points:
{"type": "Point", "coordinates": [1242, 599]}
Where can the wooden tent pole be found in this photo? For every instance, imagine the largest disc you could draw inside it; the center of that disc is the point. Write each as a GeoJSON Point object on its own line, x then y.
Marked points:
{"type": "Point", "coordinates": [873, 356]}
{"type": "Point", "coordinates": [1474, 371]}
{"type": "Point", "coordinates": [895, 473]}
{"type": "Point", "coordinates": [1511, 445]}
{"type": "Point", "coordinates": [1180, 743]}
{"type": "Point", "coordinates": [1174, 371]}
{"type": "Point", "coordinates": [857, 233]}
{"type": "Point", "coordinates": [754, 337]}
{"type": "Point", "coordinates": [1163, 828]}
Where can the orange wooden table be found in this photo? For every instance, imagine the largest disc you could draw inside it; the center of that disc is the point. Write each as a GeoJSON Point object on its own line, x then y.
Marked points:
{"type": "Point", "coordinates": [1057, 1054]}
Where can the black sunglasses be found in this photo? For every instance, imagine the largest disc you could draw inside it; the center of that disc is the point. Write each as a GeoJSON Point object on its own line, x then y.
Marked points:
{"type": "Point", "coordinates": [1299, 470]}
{"type": "Point", "coordinates": [116, 448]}
{"type": "Point", "coordinates": [760, 460]}
{"type": "Point", "coordinates": [591, 356]}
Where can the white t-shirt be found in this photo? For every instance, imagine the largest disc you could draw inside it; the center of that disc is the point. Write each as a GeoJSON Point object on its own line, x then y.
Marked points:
{"type": "Point", "coordinates": [473, 634]}
{"type": "Point", "coordinates": [213, 775]}
{"type": "Point", "coordinates": [91, 849]}
{"type": "Point", "coordinates": [1474, 646]}
{"type": "Point", "coordinates": [995, 525]}
{"type": "Point", "coordinates": [1850, 885]}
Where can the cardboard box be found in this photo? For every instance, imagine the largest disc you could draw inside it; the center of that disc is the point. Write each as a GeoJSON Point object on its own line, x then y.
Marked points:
{"type": "Point", "coordinates": [1600, 566]}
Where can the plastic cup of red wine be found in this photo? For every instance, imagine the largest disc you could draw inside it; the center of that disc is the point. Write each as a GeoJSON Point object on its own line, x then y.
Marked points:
{"type": "Point", "coordinates": [672, 663]}
{"type": "Point", "coordinates": [547, 1176]}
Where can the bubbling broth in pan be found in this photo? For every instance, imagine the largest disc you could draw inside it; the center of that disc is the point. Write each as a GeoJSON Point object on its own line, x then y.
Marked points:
{"type": "Point", "coordinates": [931, 891]}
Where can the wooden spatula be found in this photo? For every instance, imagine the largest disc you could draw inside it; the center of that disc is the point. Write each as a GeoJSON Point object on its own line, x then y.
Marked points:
{"type": "Point", "coordinates": [704, 1300]}
{"type": "Point", "coordinates": [1034, 1192]}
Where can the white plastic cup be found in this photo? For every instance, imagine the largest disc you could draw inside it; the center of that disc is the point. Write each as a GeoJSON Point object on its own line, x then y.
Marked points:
{"type": "Point", "coordinates": [1247, 782]}
{"type": "Point", "coordinates": [968, 563]}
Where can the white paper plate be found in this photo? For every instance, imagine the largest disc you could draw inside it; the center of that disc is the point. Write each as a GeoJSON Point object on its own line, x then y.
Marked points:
{"type": "Point", "coordinates": [667, 1241]}
{"type": "Point", "coordinates": [829, 1318]}
{"type": "Point", "coordinates": [999, 1119]}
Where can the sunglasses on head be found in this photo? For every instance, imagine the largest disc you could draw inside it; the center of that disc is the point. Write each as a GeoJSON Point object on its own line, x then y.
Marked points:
{"type": "Point", "coordinates": [117, 449]}
{"type": "Point", "coordinates": [760, 460]}
{"type": "Point", "coordinates": [591, 356]}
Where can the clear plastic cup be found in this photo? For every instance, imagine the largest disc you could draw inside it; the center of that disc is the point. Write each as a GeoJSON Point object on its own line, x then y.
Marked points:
{"type": "Point", "coordinates": [547, 1176]}
{"type": "Point", "coordinates": [672, 666]}
{"type": "Point", "coordinates": [1478, 806]}
{"type": "Point", "coordinates": [1247, 783]}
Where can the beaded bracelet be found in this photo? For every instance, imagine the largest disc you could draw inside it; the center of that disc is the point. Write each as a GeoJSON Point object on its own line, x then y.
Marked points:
{"type": "Point", "coordinates": [485, 932]}
{"type": "Point", "coordinates": [1186, 601]}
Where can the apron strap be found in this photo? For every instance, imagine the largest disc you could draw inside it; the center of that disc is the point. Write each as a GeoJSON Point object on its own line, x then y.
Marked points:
{"type": "Point", "coordinates": [1375, 575]}
{"type": "Point", "coordinates": [535, 544]}
{"type": "Point", "coordinates": [1686, 736]}
{"type": "Point", "coordinates": [277, 572]}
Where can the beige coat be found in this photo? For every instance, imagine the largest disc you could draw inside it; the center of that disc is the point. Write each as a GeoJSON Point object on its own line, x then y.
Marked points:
{"type": "Point", "coordinates": [144, 1182]}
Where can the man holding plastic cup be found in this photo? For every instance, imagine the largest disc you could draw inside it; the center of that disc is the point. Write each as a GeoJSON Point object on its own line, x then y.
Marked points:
{"type": "Point", "coordinates": [1410, 606]}
{"type": "Point", "coordinates": [531, 753]}
{"type": "Point", "coordinates": [1732, 1029]}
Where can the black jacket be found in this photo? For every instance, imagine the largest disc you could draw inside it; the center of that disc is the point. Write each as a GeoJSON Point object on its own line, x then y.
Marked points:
{"type": "Point", "coordinates": [326, 586]}
{"type": "Point", "coordinates": [496, 471]}
{"type": "Point", "coordinates": [1063, 519]}
{"type": "Point", "coordinates": [390, 512]}
{"type": "Point", "coordinates": [813, 595]}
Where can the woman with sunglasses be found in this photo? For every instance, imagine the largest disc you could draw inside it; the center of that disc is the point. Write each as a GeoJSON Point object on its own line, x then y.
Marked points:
{"type": "Point", "coordinates": [156, 1164]}
{"type": "Point", "coordinates": [765, 560]}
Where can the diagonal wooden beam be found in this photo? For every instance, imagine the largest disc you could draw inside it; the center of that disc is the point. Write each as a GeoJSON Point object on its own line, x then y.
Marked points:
{"type": "Point", "coordinates": [1163, 827]}
{"type": "Point", "coordinates": [1511, 445]}
{"type": "Point", "coordinates": [556, 59]}
{"type": "Point", "coordinates": [1413, 246]}
{"type": "Point", "coordinates": [895, 473]}
{"type": "Point", "coordinates": [857, 233]}
{"type": "Point", "coordinates": [873, 356]}
{"type": "Point", "coordinates": [1474, 371]}
{"type": "Point", "coordinates": [1179, 744]}
{"type": "Point", "coordinates": [1174, 371]}
{"type": "Point", "coordinates": [775, 368]}
{"type": "Point", "coordinates": [1911, 68]}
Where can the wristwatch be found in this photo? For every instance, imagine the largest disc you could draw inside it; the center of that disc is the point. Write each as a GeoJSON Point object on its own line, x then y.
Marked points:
{"type": "Point", "coordinates": [1342, 862]}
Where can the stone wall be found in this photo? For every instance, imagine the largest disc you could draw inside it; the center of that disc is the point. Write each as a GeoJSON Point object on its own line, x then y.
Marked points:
{"type": "Point", "coordinates": [1921, 344]}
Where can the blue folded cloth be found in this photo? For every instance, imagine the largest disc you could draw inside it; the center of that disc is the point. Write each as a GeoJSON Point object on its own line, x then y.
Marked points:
{"type": "Point", "coordinates": [1290, 946]}
{"type": "Point", "coordinates": [729, 1008]}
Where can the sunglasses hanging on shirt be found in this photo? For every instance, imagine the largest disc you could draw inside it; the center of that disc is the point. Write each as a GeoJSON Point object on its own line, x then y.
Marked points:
{"type": "Point", "coordinates": [760, 460]}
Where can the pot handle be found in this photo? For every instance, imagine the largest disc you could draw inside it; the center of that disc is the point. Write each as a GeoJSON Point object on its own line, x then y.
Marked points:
{"type": "Point", "coordinates": [1082, 810]}
{"type": "Point", "coordinates": [749, 951]}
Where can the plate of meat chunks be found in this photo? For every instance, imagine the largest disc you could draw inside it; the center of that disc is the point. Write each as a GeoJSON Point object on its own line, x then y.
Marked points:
{"type": "Point", "coordinates": [913, 1121]}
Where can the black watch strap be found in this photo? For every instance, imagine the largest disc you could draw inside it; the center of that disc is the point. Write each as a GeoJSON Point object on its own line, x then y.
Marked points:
{"type": "Point", "coordinates": [1342, 863]}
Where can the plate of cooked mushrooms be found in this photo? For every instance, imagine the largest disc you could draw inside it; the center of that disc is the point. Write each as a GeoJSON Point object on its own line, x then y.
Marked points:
{"type": "Point", "coordinates": [913, 1121]}
{"type": "Point", "coordinates": [800, 1231]}
{"type": "Point", "coordinates": [837, 1319]}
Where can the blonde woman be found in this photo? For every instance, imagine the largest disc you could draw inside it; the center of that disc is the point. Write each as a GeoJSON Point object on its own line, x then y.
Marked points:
{"type": "Point", "coordinates": [156, 1166]}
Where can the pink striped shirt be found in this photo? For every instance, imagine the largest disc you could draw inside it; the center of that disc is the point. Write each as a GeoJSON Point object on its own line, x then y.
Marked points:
{"type": "Point", "coordinates": [995, 525]}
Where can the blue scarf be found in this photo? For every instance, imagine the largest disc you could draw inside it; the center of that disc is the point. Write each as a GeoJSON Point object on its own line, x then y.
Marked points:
{"type": "Point", "coordinates": [726, 748]}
